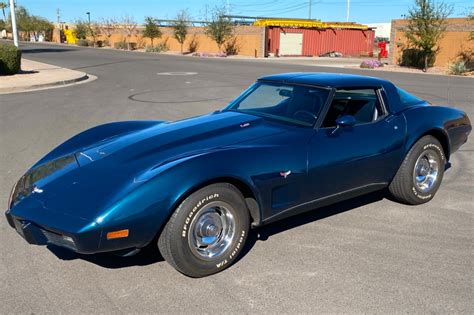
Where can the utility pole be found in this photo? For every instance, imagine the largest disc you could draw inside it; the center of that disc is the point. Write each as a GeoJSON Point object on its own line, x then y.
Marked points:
{"type": "Point", "coordinates": [309, 9]}
{"type": "Point", "coordinates": [228, 7]}
{"type": "Point", "coordinates": [58, 15]}
{"type": "Point", "coordinates": [347, 10]}
{"type": "Point", "coordinates": [13, 16]}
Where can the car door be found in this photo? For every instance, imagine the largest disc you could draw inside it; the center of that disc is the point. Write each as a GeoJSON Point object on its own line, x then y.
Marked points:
{"type": "Point", "coordinates": [364, 156]}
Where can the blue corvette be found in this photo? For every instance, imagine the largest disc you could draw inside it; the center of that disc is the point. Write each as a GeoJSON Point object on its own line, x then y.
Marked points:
{"type": "Point", "coordinates": [289, 143]}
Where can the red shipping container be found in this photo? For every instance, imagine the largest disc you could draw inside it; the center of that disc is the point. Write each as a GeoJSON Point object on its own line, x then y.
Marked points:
{"type": "Point", "coordinates": [316, 42]}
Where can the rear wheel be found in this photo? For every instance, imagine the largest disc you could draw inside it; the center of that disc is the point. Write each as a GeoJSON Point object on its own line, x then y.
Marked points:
{"type": "Point", "coordinates": [421, 172]}
{"type": "Point", "coordinates": [207, 231]}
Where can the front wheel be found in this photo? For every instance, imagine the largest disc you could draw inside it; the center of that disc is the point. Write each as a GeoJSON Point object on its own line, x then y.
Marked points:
{"type": "Point", "coordinates": [421, 172]}
{"type": "Point", "coordinates": [207, 231]}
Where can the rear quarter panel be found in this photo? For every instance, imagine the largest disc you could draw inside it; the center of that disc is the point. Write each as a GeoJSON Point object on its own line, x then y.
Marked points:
{"type": "Point", "coordinates": [451, 123]}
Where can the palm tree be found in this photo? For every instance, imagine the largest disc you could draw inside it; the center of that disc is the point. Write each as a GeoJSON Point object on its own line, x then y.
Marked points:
{"type": "Point", "coordinates": [3, 6]}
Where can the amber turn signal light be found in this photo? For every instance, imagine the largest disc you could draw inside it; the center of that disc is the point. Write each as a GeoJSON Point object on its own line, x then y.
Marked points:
{"type": "Point", "coordinates": [117, 234]}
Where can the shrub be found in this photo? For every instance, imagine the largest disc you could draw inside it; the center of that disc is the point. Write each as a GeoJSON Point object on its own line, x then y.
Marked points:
{"type": "Point", "coordinates": [161, 47]}
{"type": "Point", "coordinates": [121, 45]}
{"type": "Point", "coordinates": [10, 59]}
{"type": "Point", "coordinates": [154, 49]}
{"type": "Point", "coordinates": [415, 58]}
{"type": "Point", "coordinates": [231, 47]}
{"type": "Point", "coordinates": [468, 57]}
{"type": "Point", "coordinates": [82, 42]}
{"type": "Point", "coordinates": [371, 64]}
{"type": "Point", "coordinates": [193, 44]}
{"type": "Point", "coordinates": [463, 64]}
{"type": "Point", "coordinates": [458, 67]}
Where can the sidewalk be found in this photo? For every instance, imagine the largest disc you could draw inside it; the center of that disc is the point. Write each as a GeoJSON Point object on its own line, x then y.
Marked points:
{"type": "Point", "coordinates": [36, 75]}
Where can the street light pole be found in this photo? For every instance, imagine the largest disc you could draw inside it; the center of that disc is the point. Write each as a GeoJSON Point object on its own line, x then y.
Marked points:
{"type": "Point", "coordinates": [347, 10]}
{"type": "Point", "coordinates": [13, 16]}
{"type": "Point", "coordinates": [309, 9]}
{"type": "Point", "coordinates": [89, 17]}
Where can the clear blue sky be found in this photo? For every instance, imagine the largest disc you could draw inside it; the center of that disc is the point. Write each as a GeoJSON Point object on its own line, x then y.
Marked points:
{"type": "Point", "coordinates": [362, 11]}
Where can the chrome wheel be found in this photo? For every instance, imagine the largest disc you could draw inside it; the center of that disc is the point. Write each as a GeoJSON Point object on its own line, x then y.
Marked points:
{"type": "Point", "coordinates": [425, 173]}
{"type": "Point", "coordinates": [212, 230]}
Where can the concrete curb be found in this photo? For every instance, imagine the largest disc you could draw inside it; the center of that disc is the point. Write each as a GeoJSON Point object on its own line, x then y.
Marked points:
{"type": "Point", "coordinates": [43, 86]}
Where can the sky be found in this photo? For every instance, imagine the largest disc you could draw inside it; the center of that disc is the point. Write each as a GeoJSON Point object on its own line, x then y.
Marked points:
{"type": "Point", "coordinates": [361, 11]}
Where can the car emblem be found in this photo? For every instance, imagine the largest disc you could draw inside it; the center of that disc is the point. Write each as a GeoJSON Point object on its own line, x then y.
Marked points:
{"type": "Point", "coordinates": [285, 174]}
{"type": "Point", "coordinates": [37, 190]}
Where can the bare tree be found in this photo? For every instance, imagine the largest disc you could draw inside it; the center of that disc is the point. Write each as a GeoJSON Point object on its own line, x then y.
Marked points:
{"type": "Point", "coordinates": [129, 25]}
{"type": "Point", "coordinates": [107, 27]}
{"type": "Point", "coordinates": [94, 31]}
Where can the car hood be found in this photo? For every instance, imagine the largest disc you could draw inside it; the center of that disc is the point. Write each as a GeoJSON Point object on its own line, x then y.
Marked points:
{"type": "Point", "coordinates": [85, 182]}
{"type": "Point", "coordinates": [169, 141]}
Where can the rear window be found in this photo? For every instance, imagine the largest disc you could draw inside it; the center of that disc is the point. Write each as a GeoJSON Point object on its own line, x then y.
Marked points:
{"type": "Point", "coordinates": [406, 98]}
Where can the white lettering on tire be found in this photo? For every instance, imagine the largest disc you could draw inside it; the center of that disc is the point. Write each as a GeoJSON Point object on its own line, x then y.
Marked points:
{"type": "Point", "coordinates": [234, 251]}
{"type": "Point", "coordinates": [201, 202]}
{"type": "Point", "coordinates": [432, 145]}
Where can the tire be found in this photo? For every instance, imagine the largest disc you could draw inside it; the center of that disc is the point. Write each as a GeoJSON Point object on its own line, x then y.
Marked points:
{"type": "Point", "coordinates": [207, 231]}
{"type": "Point", "coordinates": [420, 175]}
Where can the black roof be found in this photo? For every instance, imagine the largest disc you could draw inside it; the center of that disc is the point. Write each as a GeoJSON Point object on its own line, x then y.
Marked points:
{"type": "Point", "coordinates": [336, 80]}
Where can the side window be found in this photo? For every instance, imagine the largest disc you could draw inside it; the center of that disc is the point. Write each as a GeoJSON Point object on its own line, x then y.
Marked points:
{"type": "Point", "coordinates": [363, 104]}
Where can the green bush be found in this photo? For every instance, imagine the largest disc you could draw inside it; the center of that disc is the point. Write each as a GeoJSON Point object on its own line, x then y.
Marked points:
{"type": "Point", "coordinates": [463, 64]}
{"type": "Point", "coordinates": [157, 49]}
{"type": "Point", "coordinates": [458, 67]}
{"type": "Point", "coordinates": [10, 59]}
{"type": "Point", "coordinates": [415, 58]}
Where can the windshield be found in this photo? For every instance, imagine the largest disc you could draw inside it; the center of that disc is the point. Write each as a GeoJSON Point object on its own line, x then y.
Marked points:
{"type": "Point", "coordinates": [289, 103]}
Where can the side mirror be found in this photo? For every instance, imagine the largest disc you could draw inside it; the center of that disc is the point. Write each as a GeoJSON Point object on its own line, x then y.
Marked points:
{"type": "Point", "coordinates": [345, 121]}
{"type": "Point", "coordinates": [285, 92]}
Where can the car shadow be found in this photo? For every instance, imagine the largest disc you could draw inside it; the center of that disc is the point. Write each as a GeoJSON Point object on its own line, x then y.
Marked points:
{"type": "Point", "coordinates": [147, 256]}
{"type": "Point", "coordinates": [266, 231]}
{"type": "Point", "coordinates": [150, 254]}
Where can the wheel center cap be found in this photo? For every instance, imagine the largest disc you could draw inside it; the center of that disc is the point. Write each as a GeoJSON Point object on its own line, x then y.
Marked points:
{"type": "Point", "coordinates": [211, 230]}
{"type": "Point", "coordinates": [423, 168]}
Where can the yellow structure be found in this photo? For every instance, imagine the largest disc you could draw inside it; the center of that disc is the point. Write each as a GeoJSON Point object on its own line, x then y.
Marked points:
{"type": "Point", "coordinates": [301, 23]}
{"type": "Point", "coordinates": [70, 36]}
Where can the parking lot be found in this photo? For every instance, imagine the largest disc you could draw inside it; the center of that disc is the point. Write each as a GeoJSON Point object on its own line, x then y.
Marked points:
{"type": "Point", "coordinates": [368, 254]}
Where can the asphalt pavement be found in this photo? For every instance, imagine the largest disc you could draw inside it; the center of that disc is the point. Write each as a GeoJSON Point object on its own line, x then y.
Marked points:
{"type": "Point", "coordinates": [366, 255]}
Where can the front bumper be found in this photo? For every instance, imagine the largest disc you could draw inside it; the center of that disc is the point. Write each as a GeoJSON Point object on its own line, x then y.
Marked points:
{"type": "Point", "coordinates": [37, 235]}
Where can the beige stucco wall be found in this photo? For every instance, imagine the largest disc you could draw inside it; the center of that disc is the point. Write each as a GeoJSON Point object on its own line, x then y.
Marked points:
{"type": "Point", "coordinates": [250, 39]}
{"type": "Point", "coordinates": [454, 40]}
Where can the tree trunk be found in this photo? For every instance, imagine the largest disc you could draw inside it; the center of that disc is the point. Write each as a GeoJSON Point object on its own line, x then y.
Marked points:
{"type": "Point", "coordinates": [151, 39]}
{"type": "Point", "coordinates": [182, 48]}
{"type": "Point", "coordinates": [425, 68]}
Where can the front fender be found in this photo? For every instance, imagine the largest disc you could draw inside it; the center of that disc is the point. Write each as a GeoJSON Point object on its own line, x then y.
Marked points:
{"type": "Point", "coordinates": [146, 204]}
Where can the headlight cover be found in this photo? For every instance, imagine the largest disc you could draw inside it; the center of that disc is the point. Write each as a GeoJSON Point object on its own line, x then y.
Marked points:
{"type": "Point", "coordinates": [26, 184]}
